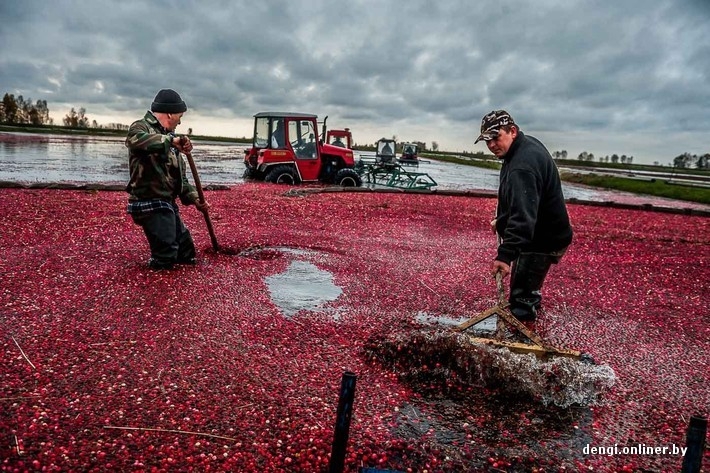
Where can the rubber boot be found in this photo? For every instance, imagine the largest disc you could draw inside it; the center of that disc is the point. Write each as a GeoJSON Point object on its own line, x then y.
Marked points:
{"type": "Point", "coordinates": [527, 277]}
{"type": "Point", "coordinates": [159, 228]}
{"type": "Point", "coordinates": [186, 247]}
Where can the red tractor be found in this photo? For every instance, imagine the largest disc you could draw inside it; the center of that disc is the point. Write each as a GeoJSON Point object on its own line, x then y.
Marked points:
{"type": "Point", "coordinates": [342, 138]}
{"type": "Point", "coordinates": [286, 150]}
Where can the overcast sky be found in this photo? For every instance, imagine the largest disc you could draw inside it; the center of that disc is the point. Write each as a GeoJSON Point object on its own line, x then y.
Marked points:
{"type": "Point", "coordinates": [626, 76]}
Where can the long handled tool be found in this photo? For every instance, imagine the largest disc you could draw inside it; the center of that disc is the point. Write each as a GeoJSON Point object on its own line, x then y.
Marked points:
{"type": "Point", "coordinates": [536, 346]}
{"type": "Point", "coordinates": [201, 195]}
{"type": "Point", "coordinates": [534, 370]}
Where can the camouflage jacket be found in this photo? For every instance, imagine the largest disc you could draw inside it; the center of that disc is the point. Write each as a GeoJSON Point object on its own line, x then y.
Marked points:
{"type": "Point", "coordinates": [157, 171]}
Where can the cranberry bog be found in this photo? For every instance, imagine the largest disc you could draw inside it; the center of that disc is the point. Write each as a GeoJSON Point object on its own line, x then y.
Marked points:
{"type": "Point", "coordinates": [107, 365]}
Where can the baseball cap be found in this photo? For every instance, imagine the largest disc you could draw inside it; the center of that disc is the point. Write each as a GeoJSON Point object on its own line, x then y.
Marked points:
{"type": "Point", "coordinates": [491, 124]}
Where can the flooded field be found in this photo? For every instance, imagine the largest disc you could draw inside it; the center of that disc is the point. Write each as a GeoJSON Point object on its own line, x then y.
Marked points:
{"type": "Point", "coordinates": [33, 158]}
{"type": "Point", "coordinates": [234, 364]}
{"type": "Point", "coordinates": [56, 158]}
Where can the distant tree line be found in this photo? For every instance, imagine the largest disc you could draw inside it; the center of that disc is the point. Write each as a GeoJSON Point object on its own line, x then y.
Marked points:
{"type": "Point", "coordinates": [684, 161]}
{"type": "Point", "coordinates": [78, 119]}
{"type": "Point", "coordinates": [585, 156]}
{"type": "Point", "coordinates": [687, 160]}
{"type": "Point", "coordinates": [18, 111]}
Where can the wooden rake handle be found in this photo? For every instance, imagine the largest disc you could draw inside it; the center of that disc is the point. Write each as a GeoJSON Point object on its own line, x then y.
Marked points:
{"type": "Point", "coordinates": [201, 196]}
{"type": "Point", "coordinates": [502, 301]}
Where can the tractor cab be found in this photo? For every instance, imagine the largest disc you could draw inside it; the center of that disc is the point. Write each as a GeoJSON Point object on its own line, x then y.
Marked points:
{"type": "Point", "coordinates": [286, 150]}
{"type": "Point", "coordinates": [295, 132]}
{"type": "Point", "coordinates": [341, 138]}
{"type": "Point", "coordinates": [409, 154]}
{"type": "Point", "coordinates": [385, 152]}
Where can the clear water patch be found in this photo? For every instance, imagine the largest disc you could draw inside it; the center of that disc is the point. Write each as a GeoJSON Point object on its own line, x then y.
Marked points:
{"type": "Point", "coordinates": [302, 286]}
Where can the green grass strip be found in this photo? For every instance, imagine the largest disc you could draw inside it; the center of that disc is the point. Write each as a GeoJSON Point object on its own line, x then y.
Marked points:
{"type": "Point", "coordinates": [655, 187]}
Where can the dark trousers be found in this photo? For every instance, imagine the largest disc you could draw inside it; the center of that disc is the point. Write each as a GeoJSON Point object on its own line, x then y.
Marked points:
{"type": "Point", "coordinates": [527, 277]}
{"type": "Point", "coordinates": [170, 241]}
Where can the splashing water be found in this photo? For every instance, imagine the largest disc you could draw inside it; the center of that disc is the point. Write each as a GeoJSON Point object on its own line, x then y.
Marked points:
{"type": "Point", "coordinates": [442, 355]}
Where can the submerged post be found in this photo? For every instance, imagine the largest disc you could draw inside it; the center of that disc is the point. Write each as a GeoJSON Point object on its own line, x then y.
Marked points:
{"type": "Point", "coordinates": [342, 422]}
{"type": "Point", "coordinates": [695, 444]}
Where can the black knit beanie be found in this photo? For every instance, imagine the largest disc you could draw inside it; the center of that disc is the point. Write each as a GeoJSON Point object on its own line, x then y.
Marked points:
{"type": "Point", "coordinates": [168, 101]}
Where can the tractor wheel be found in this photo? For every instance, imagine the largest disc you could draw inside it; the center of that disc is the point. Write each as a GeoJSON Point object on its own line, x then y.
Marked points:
{"type": "Point", "coordinates": [249, 173]}
{"type": "Point", "coordinates": [347, 177]}
{"type": "Point", "coordinates": [281, 175]}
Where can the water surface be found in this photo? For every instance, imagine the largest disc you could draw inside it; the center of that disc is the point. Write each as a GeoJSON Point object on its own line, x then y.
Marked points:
{"type": "Point", "coordinates": [40, 158]}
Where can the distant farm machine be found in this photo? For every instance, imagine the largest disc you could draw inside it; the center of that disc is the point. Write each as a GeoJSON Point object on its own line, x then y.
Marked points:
{"type": "Point", "coordinates": [286, 149]}
{"type": "Point", "coordinates": [385, 169]}
{"type": "Point", "coordinates": [342, 138]}
{"type": "Point", "coordinates": [409, 155]}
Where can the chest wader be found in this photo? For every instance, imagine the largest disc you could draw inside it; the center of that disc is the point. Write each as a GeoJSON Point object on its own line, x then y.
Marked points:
{"type": "Point", "coordinates": [170, 241]}
{"type": "Point", "coordinates": [526, 280]}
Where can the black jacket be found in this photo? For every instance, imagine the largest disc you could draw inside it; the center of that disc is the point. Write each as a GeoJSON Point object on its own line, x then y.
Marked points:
{"type": "Point", "coordinates": [531, 216]}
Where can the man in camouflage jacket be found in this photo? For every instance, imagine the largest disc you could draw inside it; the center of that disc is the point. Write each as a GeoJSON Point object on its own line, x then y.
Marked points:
{"type": "Point", "coordinates": [157, 178]}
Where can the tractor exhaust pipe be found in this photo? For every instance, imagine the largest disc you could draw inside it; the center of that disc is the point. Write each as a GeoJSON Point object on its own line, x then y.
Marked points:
{"type": "Point", "coordinates": [325, 127]}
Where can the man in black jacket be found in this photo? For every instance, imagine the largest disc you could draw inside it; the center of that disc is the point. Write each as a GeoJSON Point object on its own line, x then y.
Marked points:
{"type": "Point", "coordinates": [532, 223]}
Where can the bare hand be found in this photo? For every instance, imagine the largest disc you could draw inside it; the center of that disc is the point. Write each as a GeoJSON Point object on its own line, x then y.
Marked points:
{"type": "Point", "coordinates": [202, 206]}
{"type": "Point", "coordinates": [182, 143]}
{"type": "Point", "coordinates": [503, 268]}
{"type": "Point", "coordinates": [493, 226]}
